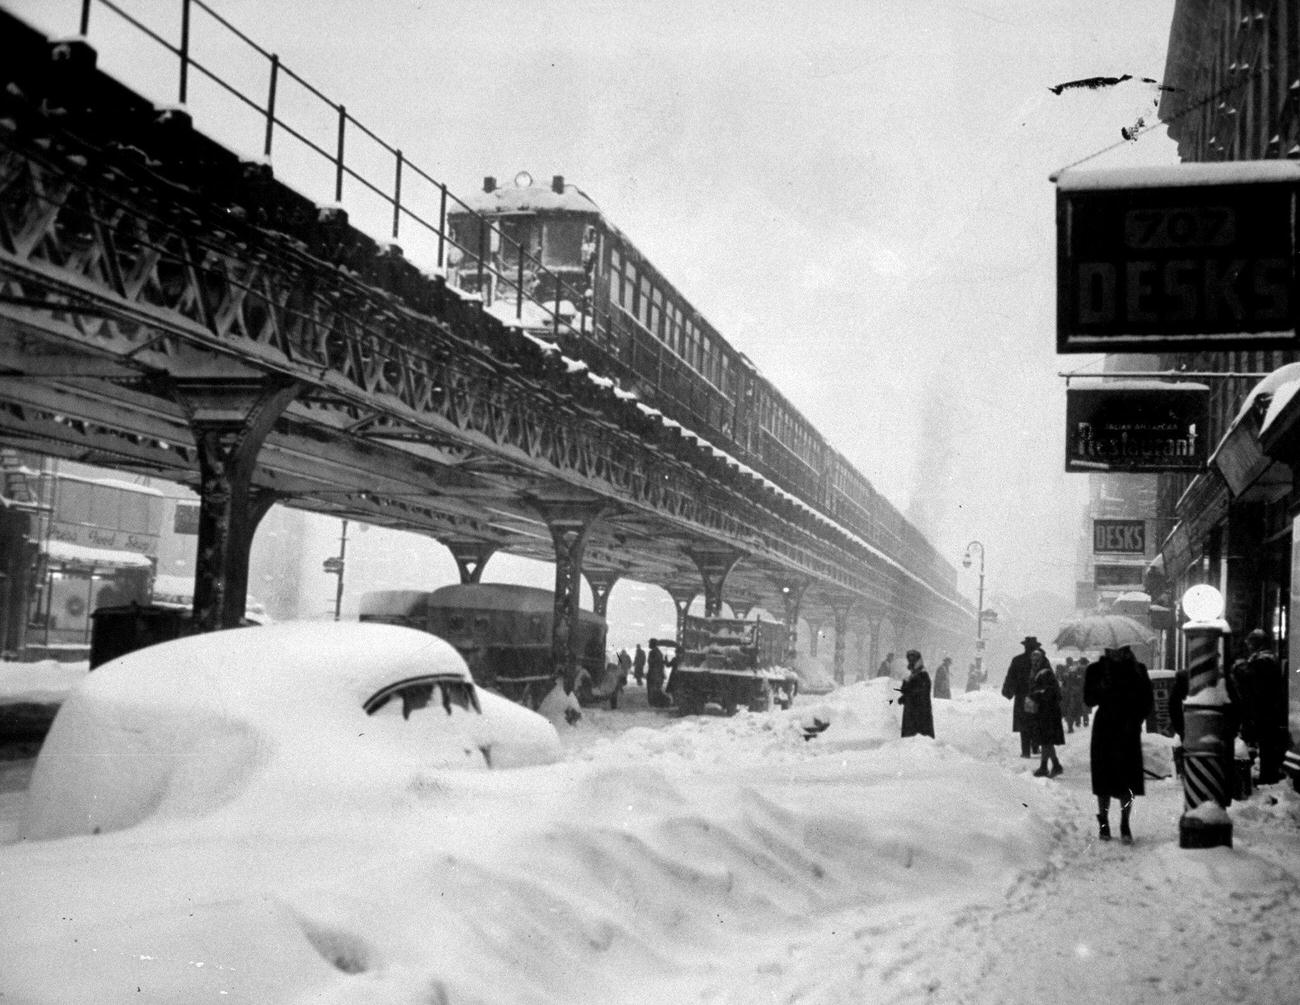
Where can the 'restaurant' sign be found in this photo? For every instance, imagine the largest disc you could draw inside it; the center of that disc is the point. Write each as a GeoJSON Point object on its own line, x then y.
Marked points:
{"type": "Point", "coordinates": [1184, 258]}
{"type": "Point", "coordinates": [1119, 537]}
{"type": "Point", "coordinates": [1117, 577]}
{"type": "Point", "coordinates": [1136, 425]}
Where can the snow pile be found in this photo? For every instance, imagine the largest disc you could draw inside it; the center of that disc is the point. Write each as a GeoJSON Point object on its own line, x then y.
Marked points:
{"type": "Point", "coordinates": [700, 858]}
{"type": "Point", "coordinates": [46, 681]}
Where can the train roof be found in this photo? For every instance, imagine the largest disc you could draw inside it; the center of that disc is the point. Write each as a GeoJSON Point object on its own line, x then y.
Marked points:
{"type": "Point", "coordinates": [511, 198]}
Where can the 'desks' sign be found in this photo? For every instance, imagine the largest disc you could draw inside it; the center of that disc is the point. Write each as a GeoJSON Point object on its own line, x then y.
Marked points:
{"type": "Point", "coordinates": [1119, 537]}
{"type": "Point", "coordinates": [1185, 258]}
{"type": "Point", "coordinates": [1143, 426]}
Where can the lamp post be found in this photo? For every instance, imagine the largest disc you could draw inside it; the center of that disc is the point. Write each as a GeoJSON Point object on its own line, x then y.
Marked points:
{"type": "Point", "coordinates": [979, 609]}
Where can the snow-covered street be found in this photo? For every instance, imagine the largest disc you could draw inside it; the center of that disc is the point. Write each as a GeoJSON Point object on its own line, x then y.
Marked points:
{"type": "Point", "coordinates": [674, 859]}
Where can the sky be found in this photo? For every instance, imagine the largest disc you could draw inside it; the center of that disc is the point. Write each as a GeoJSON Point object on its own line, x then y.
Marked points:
{"type": "Point", "coordinates": [291, 857]}
{"type": "Point", "coordinates": [856, 195]}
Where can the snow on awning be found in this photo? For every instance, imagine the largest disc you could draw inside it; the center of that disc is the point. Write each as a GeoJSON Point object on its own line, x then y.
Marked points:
{"type": "Point", "coordinates": [86, 557]}
{"type": "Point", "coordinates": [1240, 456]}
{"type": "Point", "coordinates": [1179, 175]}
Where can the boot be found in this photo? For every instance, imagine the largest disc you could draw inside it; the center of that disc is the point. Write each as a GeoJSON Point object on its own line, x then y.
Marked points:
{"type": "Point", "coordinates": [1041, 772]}
{"type": "Point", "coordinates": [1056, 769]}
{"type": "Point", "coordinates": [1125, 834]}
{"type": "Point", "coordinates": [1103, 823]}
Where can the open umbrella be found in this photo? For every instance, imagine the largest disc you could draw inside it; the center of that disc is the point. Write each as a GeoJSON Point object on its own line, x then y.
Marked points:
{"type": "Point", "coordinates": [1102, 631]}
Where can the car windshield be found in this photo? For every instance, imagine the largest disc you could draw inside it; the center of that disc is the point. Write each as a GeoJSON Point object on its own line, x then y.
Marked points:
{"type": "Point", "coordinates": [424, 692]}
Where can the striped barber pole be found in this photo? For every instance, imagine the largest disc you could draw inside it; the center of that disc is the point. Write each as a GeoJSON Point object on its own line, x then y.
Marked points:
{"type": "Point", "coordinates": [1202, 658]}
{"type": "Point", "coordinates": [1205, 779]}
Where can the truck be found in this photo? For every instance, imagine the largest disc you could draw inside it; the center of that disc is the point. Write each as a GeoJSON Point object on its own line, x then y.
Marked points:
{"type": "Point", "coordinates": [732, 663]}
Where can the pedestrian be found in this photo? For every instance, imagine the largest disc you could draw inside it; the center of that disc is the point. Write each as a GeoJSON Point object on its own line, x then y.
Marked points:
{"type": "Point", "coordinates": [638, 665]}
{"type": "Point", "coordinates": [886, 668]}
{"type": "Point", "coordinates": [974, 678]}
{"type": "Point", "coordinates": [1015, 686]}
{"type": "Point", "coordinates": [655, 676]}
{"type": "Point", "coordinates": [1071, 694]}
{"type": "Point", "coordinates": [914, 696]}
{"type": "Point", "coordinates": [1263, 696]}
{"type": "Point", "coordinates": [1081, 673]}
{"type": "Point", "coordinates": [625, 662]}
{"type": "Point", "coordinates": [1117, 685]}
{"type": "Point", "coordinates": [942, 683]}
{"type": "Point", "coordinates": [1043, 709]}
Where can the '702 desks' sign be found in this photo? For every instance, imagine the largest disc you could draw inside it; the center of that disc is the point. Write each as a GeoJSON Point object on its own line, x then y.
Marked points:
{"type": "Point", "coordinates": [1136, 425]}
{"type": "Point", "coordinates": [1186, 258]}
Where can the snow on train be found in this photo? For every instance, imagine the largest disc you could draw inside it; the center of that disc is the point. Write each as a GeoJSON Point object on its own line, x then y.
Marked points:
{"type": "Point", "coordinates": [524, 244]}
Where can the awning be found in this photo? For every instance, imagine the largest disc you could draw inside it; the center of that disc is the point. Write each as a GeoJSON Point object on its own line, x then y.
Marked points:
{"type": "Point", "coordinates": [84, 557]}
{"type": "Point", "coordinates": [1252, 472]}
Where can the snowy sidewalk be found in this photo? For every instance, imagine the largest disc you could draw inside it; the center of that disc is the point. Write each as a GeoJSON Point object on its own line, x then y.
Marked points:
{"type": "Point", "coordinates": [1105, 922]}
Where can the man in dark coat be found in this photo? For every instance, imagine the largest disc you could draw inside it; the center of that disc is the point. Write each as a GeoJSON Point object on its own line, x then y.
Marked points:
{"type": "Point", "coordinates": [654, 681]}
{"type": "Point", "coordinates": [1117, 685]}
{"type": "Point", "coordinates": [638, 664]}
{"type": "Point", "coordinates": [1264, 706]}
{"type": "Point", "coordinates": [886, 668]}
{"type": "Point", "coordinates": [1015, 686]}
{"type": "Point", "coordinates": [942, 683]}
{"type": "Point", "coordinates": [914, 696]}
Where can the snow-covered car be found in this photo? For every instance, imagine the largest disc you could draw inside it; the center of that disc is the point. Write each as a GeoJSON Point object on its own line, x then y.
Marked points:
{"type": "Point", "coordinates": [276, 714]}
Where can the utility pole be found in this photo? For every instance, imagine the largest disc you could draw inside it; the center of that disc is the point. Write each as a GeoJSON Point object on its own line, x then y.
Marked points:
{"type": "Point", "coordinates": [979, 609]}
{"type": "Point", "coordinates": [335, 565]}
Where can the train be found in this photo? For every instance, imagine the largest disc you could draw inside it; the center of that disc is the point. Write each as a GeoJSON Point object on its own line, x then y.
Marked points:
{"type": "Point", "coordinates": [501, 629]}
{"type": "Point", "coordinates": [527, 244]}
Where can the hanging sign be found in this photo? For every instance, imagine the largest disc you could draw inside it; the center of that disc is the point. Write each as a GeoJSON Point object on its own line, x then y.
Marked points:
{"type": "Point", "coordinates": [1119, 537]}
{"type": "Point", "coordinates": [1136, 425]}
{"type": "Point", "coordinates": [1185, 258]}
{"type": "Point", "coordinates": [1117, 577]}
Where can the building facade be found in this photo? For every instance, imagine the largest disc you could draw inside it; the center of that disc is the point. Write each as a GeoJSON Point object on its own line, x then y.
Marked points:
{"type": "Point", "coordinates": [1231, 92]}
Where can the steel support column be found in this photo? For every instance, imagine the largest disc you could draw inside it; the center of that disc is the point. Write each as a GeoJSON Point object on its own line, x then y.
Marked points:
{"type": "Point", "coordinates": [601, 582]}
{"type": "Point", "coordinates": [860, 650]}
{"type": "Point", "coordinates": [714, 564]}
{"type": "Point", "coordinates": [792, 591]}
{"type": "Point", "coordinates": [569, 521]}
{"type": "Point", "coordinates": [683, 597]}
{"type": "Point", "coordinates": [841, 612]}
{"type": "Point", "coordinates": [814, 633]}
{"type": "Point", "coordinates": [471, 557]}
{"type": "Point", "coordinates": [229, 421]}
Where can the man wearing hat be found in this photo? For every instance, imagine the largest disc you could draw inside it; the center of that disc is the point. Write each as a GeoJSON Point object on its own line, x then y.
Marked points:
{"type": "Point", "coordinates": [1015, 686]}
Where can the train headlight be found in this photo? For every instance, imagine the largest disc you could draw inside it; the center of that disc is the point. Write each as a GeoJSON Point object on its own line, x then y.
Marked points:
{"type": "Point", "coordinates": [523, 179]}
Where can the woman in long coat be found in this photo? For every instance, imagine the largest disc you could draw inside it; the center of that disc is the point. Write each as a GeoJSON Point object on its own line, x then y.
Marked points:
{"type": "Point", "coordinates": [914, 696]}
{"type": "Point", "coordinates": [942, 681]}
{"type": "Point", "coordinates": [1117, 685]}
{"type": "Point", "coordinates": [1045, 693]}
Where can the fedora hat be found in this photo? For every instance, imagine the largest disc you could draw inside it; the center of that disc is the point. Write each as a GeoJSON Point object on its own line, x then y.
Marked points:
{"type": "Point", "coordinates": [1030, 640]}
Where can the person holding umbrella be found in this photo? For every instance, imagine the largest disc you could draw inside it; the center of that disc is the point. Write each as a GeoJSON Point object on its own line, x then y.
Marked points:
{"type": "Point", "coordinates": [1117, 685]}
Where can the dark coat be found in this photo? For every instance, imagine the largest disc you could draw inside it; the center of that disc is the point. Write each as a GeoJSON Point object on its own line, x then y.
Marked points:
{"type": "Point", "coordinates": [1119, 688]}
{"type": "Point", "coordinates": [1045, 724]}
{"type": "Point", "coordinates": [1015, 686]}
{"type": "Point", "coordinates": [942, 686]}
{"type": "Point", "coordinates": [914, 696]}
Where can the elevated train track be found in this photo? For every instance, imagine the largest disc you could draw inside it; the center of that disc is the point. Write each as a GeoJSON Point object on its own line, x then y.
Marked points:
{"type": "Point", "coordinates": [163, 302]}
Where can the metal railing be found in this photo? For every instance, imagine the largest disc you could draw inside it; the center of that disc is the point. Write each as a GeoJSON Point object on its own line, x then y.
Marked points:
{"type": "Point", "coordinates": [346, 125]}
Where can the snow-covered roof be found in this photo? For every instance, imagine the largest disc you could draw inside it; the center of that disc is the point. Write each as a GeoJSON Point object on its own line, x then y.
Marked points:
{"type": "Point", "coordinates": [103, 558]}
{"type": "Point", "coordinates": [511, 198]}
{"type": "Point", "coordinates": [1178, 175]}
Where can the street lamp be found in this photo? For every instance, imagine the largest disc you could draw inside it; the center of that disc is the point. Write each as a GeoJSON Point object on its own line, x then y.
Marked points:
{"type": "Point", "coordinates": [979, 609]}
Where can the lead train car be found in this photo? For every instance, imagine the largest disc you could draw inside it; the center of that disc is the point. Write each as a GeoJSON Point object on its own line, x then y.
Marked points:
{"type": "Point", "coordinates": [503, 631]}
{"type": "Point", "coordinates": [620, 316]}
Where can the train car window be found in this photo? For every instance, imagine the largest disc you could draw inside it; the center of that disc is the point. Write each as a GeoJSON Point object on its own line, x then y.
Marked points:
{"type": "Point", "coordinates": [535, 626]}
{"type": "Point", "coordinates": [469, 234]}
{"type": "Point", "coordinates": [629, 287]}
{"type": "Point", "coordinates": [643, 302]}
{"type": "Point", "coordinates": [456, 623]}
{"type": "Point", "coordinates": [653, 321]}
{"type": "Point", "coordinates": [482, 627]}
{"type": "Point", "coordinates": [615, 277]}
{"type": "Point", "coordinates": [562, 242]}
